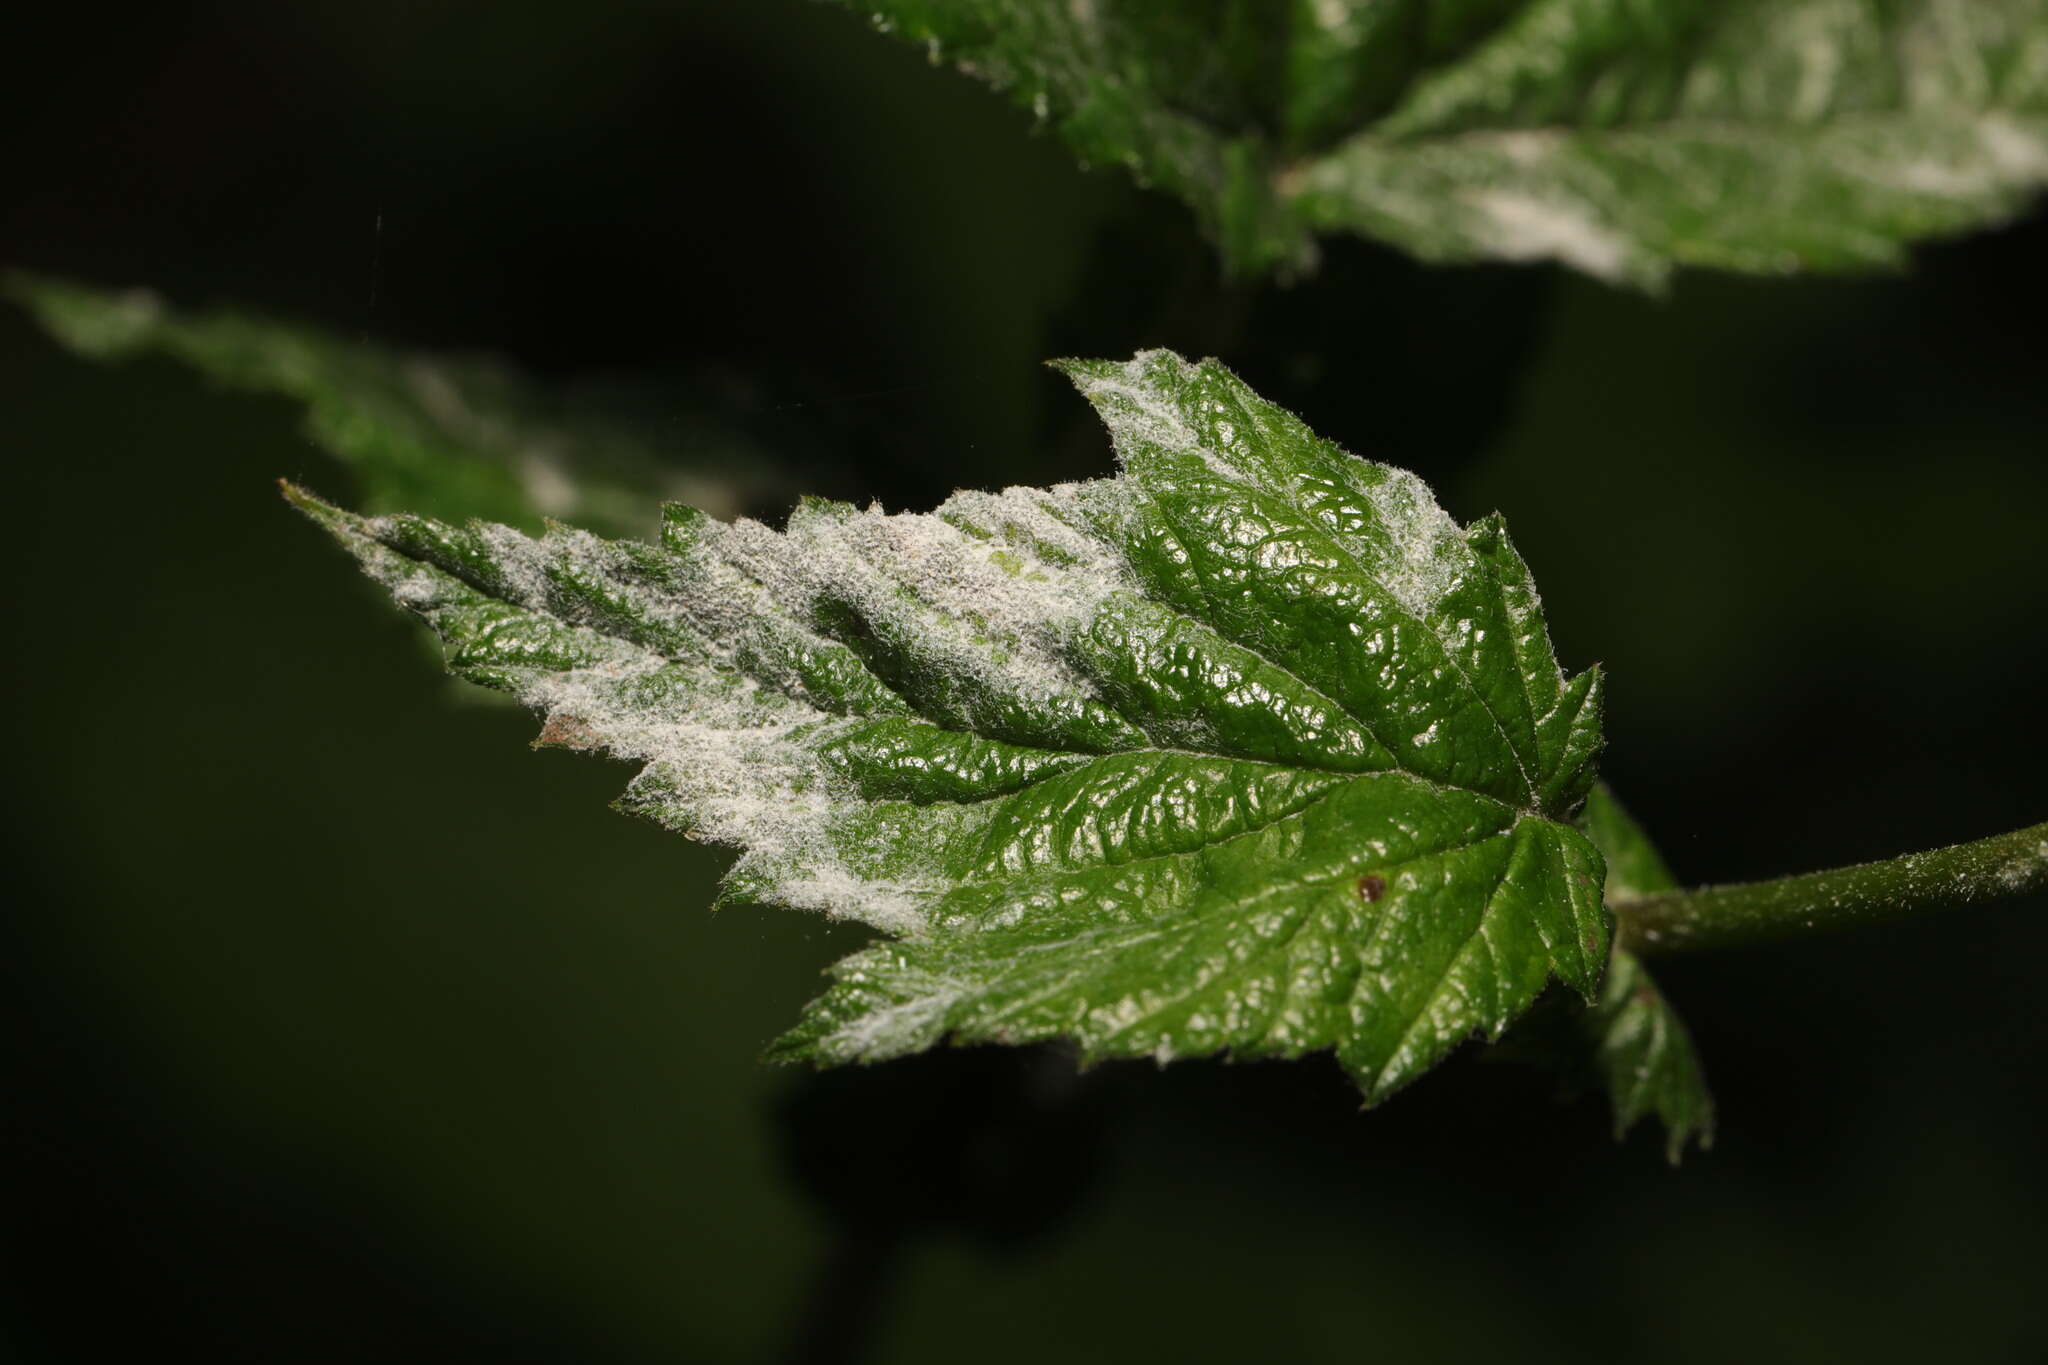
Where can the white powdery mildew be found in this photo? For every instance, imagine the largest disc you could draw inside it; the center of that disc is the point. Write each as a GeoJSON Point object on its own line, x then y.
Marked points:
{"type": "Point", "coordinates": [1139, 413]}
{"type": "Point", "coordinates": [736, 765]}
{"type": "Point", "coordinates": [2024, 871]}
{"type": "Point", "coordinates": [759, 554]}
{"type": "Point", "coordinates": [2016, 151]}
{"type": "Point", "coordinates": [729, 596]}
{"type": "Point", "coordinates": [1429, 551]}
{"type": "Point", "coordinates": [830, 887]}
{"type": "Point", "coordinates": [520, 564]}
{"type": "Point", "coordinates": [730, 761]}
{"type": "Point", "coordinates": [1046, 520]}
{"type": "Point", "coordinates": [412, 585]}
{"type": "Point", "coordinates": [892, 1030]}
{"type": "Point", "coordinates": [995, 610]}
{"type": "Point", "coordinates": [1523, 227]}
{"type": "Point", "coordinates": [965, 581]}
{"type": "Point", "coordinates": [525, 565]}
{"type": "Point", "coordinates": [991, 587]}
{"type": "Point", "coordinates": [736, 762]}
{"type": "Point", "coordinates": [1984, 157]}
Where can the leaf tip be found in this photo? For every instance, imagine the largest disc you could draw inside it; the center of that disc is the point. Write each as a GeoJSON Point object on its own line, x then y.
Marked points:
{"type": "Point", "coordinates": [1081, 371]}
{"type": "Point", "coordinates": [790, 1049]}
{"type": "Point", "coordinates": [1378, 1084]}
{"type": "Point", "coordinates": [336, 519]}
{"type": "Point", "coordinates": [683, 526]}
{"type": "Point", "coordinates": [95, 322]}
{"type": "Point", "coordinates": [1678, 1139]}
{"type": "Point", "coordinates": [1151, 365]}
{"type": "Point", "coordinates": [305, 500]}
{"type": "Point", "coordinates": [1487, 533]}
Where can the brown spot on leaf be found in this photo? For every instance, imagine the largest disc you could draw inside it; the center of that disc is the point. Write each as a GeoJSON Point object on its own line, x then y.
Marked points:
{"type": "Point", "coordinates": [1371, 887]}
{"type": "Point", "coordinates": [1591, 942]}
{"type": "Point", "coordinates": [567, 732]}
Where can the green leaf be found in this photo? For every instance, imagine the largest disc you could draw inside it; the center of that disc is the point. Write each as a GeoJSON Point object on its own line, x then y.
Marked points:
{"type": "Point", "coordinates": [1644, 1054]}
{"type": "Point", "coordinates": [1621, 137]}
{"type": "Point", "coordinates": [1250, 749]}
{"type": "Point", "coordinates": [452, 436]}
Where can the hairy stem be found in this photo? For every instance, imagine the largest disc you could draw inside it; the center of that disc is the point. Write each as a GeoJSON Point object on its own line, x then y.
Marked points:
{"type": "Point", "coordinates": [1867, 893]}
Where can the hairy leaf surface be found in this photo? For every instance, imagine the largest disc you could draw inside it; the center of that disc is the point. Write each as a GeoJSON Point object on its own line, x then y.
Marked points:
{"type": "Point", "coordinates": [448, 435]}
{"type": "Point", "coordinates": [1644, 1054]}
{"type": "Point", "coordinates": [1250, 749]}
{"type": "Point", "coordinates": [1621, 137]}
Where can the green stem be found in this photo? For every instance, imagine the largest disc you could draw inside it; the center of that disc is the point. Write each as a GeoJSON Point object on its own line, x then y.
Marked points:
{"type": "Point", "coordinates": [1867, 893]}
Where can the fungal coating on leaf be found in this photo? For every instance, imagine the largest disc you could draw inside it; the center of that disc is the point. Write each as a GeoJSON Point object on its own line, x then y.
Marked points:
{"type": "Point", "coordinates": [1250, 749]}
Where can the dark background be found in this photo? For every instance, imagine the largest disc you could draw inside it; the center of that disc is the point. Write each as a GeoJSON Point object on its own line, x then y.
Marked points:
{"type": "Point", "coordinates": [344, 1027]}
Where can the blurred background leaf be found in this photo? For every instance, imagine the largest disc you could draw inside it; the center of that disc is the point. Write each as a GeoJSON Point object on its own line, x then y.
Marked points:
{"type": "Point", "coordinates": [291, 1079]}
{"type": "Point", "coordinates": [452, 436]}
{"type": "Point", "coordinates": [1767, 136]}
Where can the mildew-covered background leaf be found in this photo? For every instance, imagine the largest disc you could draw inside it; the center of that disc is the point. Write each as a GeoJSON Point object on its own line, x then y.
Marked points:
{"type": "Point", "coordinates": [1641, 1047]}
{"type": "Point", "coordinates": [446, 435]}
{"type": "Point", "coordinates": [1619, 138]}
{"type": "Point", "coordinates": [1250, 749]}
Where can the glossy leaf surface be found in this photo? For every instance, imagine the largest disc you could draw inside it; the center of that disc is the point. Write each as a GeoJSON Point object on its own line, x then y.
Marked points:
{"type": "Point", "coordinates": [448, 435]}
{"type": "Point", "coordinates": [1619, 137]}
{"type": "Point", "coordinates": [1250, 749]}
{"type": "Point", "coordinates": [1642, 1049]}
